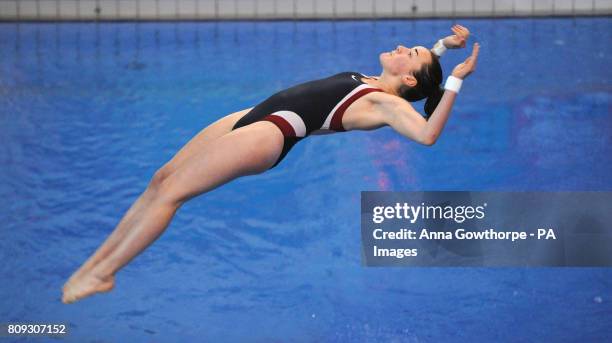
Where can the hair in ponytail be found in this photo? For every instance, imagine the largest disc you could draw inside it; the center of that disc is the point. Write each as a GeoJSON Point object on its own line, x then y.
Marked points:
{"type": "Point", "coordinates": [433, 100]}
{"type": "Point", "coordinates": [429, 78]}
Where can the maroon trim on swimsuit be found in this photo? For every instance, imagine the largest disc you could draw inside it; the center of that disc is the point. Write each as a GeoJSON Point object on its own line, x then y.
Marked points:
{"type": "Point", "coordinates": [282, 124]}
{"type": "Point", "coordinates": [336, 121]}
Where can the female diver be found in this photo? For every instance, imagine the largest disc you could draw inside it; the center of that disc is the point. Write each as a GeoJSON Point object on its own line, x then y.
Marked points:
{"type": "Point", "coordinates": [254, 140]}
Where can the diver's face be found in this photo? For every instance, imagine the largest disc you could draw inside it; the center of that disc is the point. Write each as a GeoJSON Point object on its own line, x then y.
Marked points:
{"type": "Point", "coordinates": [403, 60]}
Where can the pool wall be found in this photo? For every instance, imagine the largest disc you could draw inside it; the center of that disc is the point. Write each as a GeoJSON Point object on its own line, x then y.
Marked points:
{"type": "Point", "coordinates": [60, 10]}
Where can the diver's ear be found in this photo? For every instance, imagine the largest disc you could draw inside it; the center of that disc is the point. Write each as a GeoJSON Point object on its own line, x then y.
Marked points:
{"type": "Point", "coordinates": [409, 80]}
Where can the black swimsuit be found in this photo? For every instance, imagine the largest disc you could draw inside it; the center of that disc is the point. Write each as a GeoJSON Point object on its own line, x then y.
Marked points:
{"type": "Point", "coordinates": [311, 106]}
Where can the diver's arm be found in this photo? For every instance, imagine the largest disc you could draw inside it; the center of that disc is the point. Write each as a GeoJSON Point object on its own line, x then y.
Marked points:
{"type": "Point", "coordinates": [439, 48]}
{"type": "Point", "coordinates": [403, 118]}
{"type": "Point", "coordinates": [438, 118]}
{"type": "Point", "coordinates": [456, 40]}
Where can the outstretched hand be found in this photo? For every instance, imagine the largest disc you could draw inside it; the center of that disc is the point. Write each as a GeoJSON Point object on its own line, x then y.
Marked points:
{"type": "Point", "coordinates": [464, 69]}
{"type": "Point", "coordinates": [459, 38]}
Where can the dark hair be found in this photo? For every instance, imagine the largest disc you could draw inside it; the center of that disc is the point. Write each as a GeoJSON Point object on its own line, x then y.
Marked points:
{"type": "Point", "coordinates": [429, 78]}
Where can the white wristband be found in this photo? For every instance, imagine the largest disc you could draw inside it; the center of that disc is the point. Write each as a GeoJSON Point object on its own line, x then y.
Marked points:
{"type": "Point", "coordinates": [453, 84]}
{"type": "Point", "coordinates": [439, 48]}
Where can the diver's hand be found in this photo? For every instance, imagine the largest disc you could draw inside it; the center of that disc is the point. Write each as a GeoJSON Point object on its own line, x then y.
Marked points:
{"type": "Point", "coordinates": [464, 69]}
{"type": "Point", "coordinates": [459, 38]}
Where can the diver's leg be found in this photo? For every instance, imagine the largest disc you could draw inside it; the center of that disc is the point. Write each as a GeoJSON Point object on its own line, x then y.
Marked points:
{"type": "Point", "coordinates": [248, 150]}
{"type": "Point", "coordinates": [211, 132]}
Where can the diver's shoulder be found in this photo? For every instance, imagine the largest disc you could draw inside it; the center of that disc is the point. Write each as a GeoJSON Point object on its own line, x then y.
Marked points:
{"type": "Point", "coordinates": [382, 97]}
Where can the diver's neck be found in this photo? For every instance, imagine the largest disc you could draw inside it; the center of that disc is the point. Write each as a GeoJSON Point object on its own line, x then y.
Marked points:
{"type": "Point", "coordinates": [386, 83]}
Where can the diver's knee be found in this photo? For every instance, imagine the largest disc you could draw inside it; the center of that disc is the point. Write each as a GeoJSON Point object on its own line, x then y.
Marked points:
{"type": "Point", "coordinates": [170, 193]}
{"type": "Point", "coordinates": [159, 177]}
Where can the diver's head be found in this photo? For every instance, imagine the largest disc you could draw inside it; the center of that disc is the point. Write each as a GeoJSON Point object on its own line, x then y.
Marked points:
{"type": "Point", "coordinates": [418, 73]}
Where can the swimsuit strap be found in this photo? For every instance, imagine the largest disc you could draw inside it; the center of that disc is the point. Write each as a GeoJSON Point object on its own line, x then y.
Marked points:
{"type": "Point", "coordinates": [333, 120]}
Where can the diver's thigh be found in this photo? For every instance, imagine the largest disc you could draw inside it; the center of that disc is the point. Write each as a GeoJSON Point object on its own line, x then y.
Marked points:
{"type": "Point", "coordinates": [207, 134]}
{"type": "Point", "coordinates": [248, 150]}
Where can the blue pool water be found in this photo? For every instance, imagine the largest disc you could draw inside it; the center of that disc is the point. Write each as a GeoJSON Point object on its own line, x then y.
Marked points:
{"type": "Point", "coordinates": [89, 111]}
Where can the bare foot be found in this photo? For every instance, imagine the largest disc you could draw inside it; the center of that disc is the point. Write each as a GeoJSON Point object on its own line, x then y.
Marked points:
{"type": "Point", "coordinates": [84, 285]}
{"type": "Point", "coordinates": [84, 269]}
